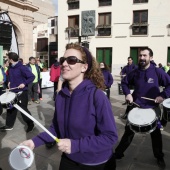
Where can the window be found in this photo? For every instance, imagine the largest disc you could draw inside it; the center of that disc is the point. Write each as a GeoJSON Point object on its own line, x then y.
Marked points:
{"type": "Point", "coordinates": [140, 23]}
{"type": "Point", "coordinates": [73, 4]}
{"type": "Point", "coordinates": [104, 27]}
{"type": "Point", "coordinates": [52, 31]}
{"type": "Point", "coordinates": [42, 44]}
{"type": "Point", "coordinates": [105, 2]}
{"type": "Point", "coordinates": [140, 1]}
{"type": "Point", "coordinates": [52, 22]}
{"type": "Point", "coordinates": [73, 26]}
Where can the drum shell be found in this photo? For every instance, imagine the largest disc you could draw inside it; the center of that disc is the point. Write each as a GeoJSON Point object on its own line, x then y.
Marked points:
{"type": "Point", "coordinates": [148, 128]}
{"type": "Point", "coordinates": [166, 113]}
{"type": "Point", "coordinates": [139, 122]}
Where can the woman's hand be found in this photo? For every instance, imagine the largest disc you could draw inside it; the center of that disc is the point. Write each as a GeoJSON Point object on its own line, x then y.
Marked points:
{"type": "Point", "coordinates": [28, 143]}
{"type": "Point", "coordinates": [64, 145]}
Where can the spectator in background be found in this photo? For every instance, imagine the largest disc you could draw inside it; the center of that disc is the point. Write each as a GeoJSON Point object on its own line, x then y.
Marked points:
{"type": "Point", "coordinates": [161, 66]}
{"type": "Point", "coordinates": [54, 75]}
{"type": "Point", "coordinates": [33, 87]}
{"type": "Point", "coordinates": [166, 68]}
{"type": "Point", "coordinates": [40, 65]}
{"type": "Point", "coordinates": [107, 77]}
{"type": "Point", "coordinates": [129, 67]}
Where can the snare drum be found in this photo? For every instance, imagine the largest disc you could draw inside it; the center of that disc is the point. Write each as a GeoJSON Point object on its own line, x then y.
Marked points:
{"type": "Point", "coordinates": [8, 99]}
{"type": "Point", "coordinates": [166, 109]}
{"type": "Point", "coordinates": [142, 120]}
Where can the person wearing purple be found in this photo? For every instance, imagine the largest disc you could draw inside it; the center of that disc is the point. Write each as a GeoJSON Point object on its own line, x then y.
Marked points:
{"type": "Point", "coordinates": [129, 67]}
{"type": "Point", "coordinates": [19, 78]}
{"type": "Point", "coordinates": [108, 78]}
{"type": "Point", "coordinates": [83, 119]}
{"type": "Point", "coordinates": [146, 80]}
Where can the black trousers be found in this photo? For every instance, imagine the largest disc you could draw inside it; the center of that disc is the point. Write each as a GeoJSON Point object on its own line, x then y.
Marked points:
{"type": "Point", "coordinates": [67, 164]}
{"type": "Point", "coordinates": [128, 135]}
{"type": "Point", "coordinates": [12, 113]}
{"type": "Point", "coordinates": [108, 92]}
{"type": "Point", "coordinates": [40, 85]}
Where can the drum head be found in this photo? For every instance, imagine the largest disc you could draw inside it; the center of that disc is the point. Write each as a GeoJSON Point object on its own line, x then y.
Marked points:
{"type": "Point", "coordinates": [140, 116]}
{"type": "Point", "coordinates": [21, 157]}
{"type": "Point", "coordinates": [7, 97]}
{"type": "Point", "coordinates": [166, 103]}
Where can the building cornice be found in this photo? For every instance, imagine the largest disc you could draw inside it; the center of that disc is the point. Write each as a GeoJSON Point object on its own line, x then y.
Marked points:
{"type": "Point", "coordinates": [21, 4]}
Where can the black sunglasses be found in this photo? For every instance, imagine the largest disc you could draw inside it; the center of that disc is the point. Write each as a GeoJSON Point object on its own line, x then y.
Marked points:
{"type": "Point", "coordinates": [71, 60]}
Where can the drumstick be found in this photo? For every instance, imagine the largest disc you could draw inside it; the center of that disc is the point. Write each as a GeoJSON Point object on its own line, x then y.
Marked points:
{"type": "Point", "coordinates": [148, 98]}
{"type": "Point", "coordinates": [34, 120]}
{"type": "Point", "coordinates": [10, 89]}
{"type": "Point", "coordinates": [136, 104]}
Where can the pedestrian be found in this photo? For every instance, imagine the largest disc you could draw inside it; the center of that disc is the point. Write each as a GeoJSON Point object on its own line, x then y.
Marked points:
{"type": "Point", "coordinates": [20, 77]}
{"type": "Point", "coordinates": [2, 84]}
{"type": "Point", "coordinates": [127, 69]}
{"type": "Point", "coordinates": [54, 75]}
{"type": "Point", "coordinates": [166, 67]}
{"type": "Point", "coordinates": [33, 86]}
{"type": "Point", "coordinates": [107, 77]}
{"type": "Point", "coordinates": [40, 65]}
{"type": "Point", "coordinates": [146, 80]}
{"type": "Point", "coordinates": [161, 66]}
{"type": "Point", "coordinates": [83, 119]}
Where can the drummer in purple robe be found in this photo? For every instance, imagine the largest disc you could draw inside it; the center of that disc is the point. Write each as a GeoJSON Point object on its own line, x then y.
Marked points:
{"type": "Point", "coordinates": [146, 80]}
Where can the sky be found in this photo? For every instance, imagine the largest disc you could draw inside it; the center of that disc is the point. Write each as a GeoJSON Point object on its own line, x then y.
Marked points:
{"type": "Point", "coordinates": [56, 6]}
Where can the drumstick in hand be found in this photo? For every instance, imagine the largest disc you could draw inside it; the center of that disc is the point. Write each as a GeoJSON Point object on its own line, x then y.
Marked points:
{"type": "Point", "coordinates": [148, 98]}
{"type": "Point", "coordinates": [35, 121]}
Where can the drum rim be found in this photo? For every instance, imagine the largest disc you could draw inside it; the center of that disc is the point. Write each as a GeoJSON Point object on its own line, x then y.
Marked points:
{"type": "Point", "coordinates": [142, 109]}
{"type": "Point", "coordinates": [163, 103]}
{"type": "Point", "coordinates": [8, 101]}
{"type": "Point", "coordinates": [31, 153]}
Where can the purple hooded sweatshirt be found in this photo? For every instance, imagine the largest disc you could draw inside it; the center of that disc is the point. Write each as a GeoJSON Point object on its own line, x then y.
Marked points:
{"type": "Point", "coordinates": [20, 74]}
{"type": "Point", "coordinates": [128, 68]}
{"type": "Point", "coordinates": [107, 77]}
{"type": "Point", "coordinates": [146, 84]}
{"type": "Point", "coordinates": [87, 119]}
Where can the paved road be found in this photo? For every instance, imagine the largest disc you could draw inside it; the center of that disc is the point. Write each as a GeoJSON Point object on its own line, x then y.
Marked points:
{"type": "Point", "coordinates": [138, 156]}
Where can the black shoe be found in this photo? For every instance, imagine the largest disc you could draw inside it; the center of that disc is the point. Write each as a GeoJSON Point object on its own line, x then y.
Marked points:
{"type": "Point", "coordinates": [124, 103]}
{"type": "Point", "coordinates": [3, 128]}
{"type": "Point", "coordinates": [123, 116]}
{"type": "Point", "coordinates": [50, 144]}
{"type": "Point", "coordinates": [161, 163]}
{"type": "Point", "coordinates": [118, 156]}
{"type": "Point", "coordinates": [30, 127]}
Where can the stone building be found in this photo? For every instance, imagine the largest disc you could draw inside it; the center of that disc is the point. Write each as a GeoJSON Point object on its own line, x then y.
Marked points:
{"type": "Point", "coordinates": [26, 14]}
{"type": "Point", "coordinates": [115, 30]}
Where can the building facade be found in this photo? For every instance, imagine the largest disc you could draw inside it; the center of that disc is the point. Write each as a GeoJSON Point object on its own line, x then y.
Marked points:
{"type": "Point", "coordinates": [45, 38]}
{"type": "Point", "coordinates": [115, 30]}
{"type": "Point", "coordinates": [24, 15]}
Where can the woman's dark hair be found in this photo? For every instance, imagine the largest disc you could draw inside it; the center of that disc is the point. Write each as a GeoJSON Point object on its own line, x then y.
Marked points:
{"type": "Point", "coordinates": [105, 66]}
{"type": "Point", "coordinates": [13, 56]}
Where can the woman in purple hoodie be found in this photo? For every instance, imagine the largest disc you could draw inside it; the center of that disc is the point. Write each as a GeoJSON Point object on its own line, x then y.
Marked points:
{"type": "Point", "coordinates": [83, 119]}
{"type": "Point", "coordinates": [108, 78]}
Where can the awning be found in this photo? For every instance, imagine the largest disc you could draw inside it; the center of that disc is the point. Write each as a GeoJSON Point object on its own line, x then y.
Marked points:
{"type": "Point", "coordinates": [140, 24]}
{"type": "Point", "coordinates": [103, 26]}
{"type": "Point", "coordinates": [70, 1]}
{"type": "Point", "coordinates": [71, 28]}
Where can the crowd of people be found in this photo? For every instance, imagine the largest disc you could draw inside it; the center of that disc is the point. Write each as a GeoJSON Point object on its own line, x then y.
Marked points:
{"type": "Point", "coordinates": [80, 82]}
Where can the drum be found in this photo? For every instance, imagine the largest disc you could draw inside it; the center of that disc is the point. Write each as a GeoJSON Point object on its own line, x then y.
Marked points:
{"type": "Point", "coordinates": [21, 157]}
{"type": "Point", "coordinates": [8, 99]}
{"type": "Point", "coordinates": [142, 120]}
{"type": "Point", "coordinates": [166, 109]}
